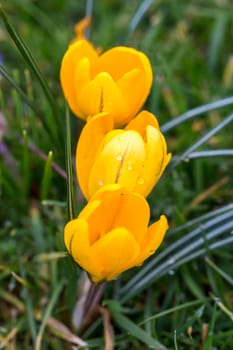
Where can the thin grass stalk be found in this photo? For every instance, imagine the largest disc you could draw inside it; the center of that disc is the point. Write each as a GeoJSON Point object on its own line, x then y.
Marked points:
{"type": "Point", "coordinates": [69, 169]}
{"type": "Point", "coordinates": [219, 271]}
{"type": "Point", "coordinates": [47, 313]}
{"type": "Point", "coordinates": [144, 6]}
{"type": "Point", "coordinates": [172, 310]}
{"type": "Point", "coordinates": [210, 154]}
{"type": "Point", "coordinates": [88, 13]}
{"type": "Point", "coordinates": [47, 176]}
{"type": "Point", "coordinates": [192, 113]}
{"type": "Point", "coordinates": [25, 164]}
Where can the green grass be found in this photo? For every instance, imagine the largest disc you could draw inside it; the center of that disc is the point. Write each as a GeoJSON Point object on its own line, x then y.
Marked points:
{"type": "Point", "coordinates": [182, 297]}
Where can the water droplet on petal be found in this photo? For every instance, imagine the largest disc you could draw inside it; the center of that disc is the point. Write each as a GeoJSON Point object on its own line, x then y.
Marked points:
{"type": "Point", "coordinates": [141, 181]}
{"type": "Point", "coordinates": [129, 167]}
{"type": "Point", "coordinates": [121, 137]}
{"type": "Point", "coordinates": [119, 157]}
{"type": "Point", "coordinates": [100, 182]}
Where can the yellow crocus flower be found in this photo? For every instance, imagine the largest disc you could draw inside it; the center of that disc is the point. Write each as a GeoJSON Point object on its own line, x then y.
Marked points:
{"type": "Point", "coordinates": [117, 81]}
{"type": "Point", "coordinates": [134, 157]}
{"type": "Point", "coordinates": [111, 233]}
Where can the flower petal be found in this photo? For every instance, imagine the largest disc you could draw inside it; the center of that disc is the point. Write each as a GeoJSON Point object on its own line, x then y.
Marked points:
{"type": "Point", "coordinates": [115, 253]}
{"type": "Point", "coordinates": [120, 60]}
{"type": "Point", "coordinates": [76, 51]}
{"type": "Point", "coordinates": [101, 94]}
{"type": "Point", "coordinates": [156, 151]}
{"type": "Point", "coordinates": [135, 91]}
{"type": "Point", "coordinates": [141, 121]}
{"type": "Point", "coordinates": [120, 160]}
{"type": "Point", "coordinates": [154, 161]}
{"type": "Point", "coordinates": [134, 215]}
{"type": "Point", "coordinates": [153, 239]}
{"type": "Point", "coordinates": [87, 147]}
{"type": "Point", "coordinates": [76, 238]}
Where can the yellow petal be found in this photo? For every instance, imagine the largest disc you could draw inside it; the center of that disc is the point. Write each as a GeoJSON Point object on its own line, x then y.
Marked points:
{"type": "Point", "coordinates": [154, 161]}
{"type": "Point", "coordinates": [102, 211]}
{"type": "Point", "coordinates": [119, 161]}
{"type": "Point", "coordinates": [76, 238]}
{"type": "Point", "coordinates": [75, 52]}
{"type": "Point", "coordinates": [156, 151]}
{"type": "Point", "coordinates": [120, 60]}
{"type": "Point", "coordinates": [141, 121]}
{"type": "Point", "coordinates": [135, 91]}
{"type": "Point", "coordinates": [115, 253]}
{"type": "Point", "coordinates": [87, 147]}
{"type": "Point", "coordinates": [153, 239]}
{"type": "Point", "coordinates": [134, 215]}
{"type": "Point", "coordinates": [101, 94]}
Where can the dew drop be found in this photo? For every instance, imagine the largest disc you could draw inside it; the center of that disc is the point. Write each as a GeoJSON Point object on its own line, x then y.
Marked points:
{"type": "Point", "coordinates": [171, 272]}
{"type": "Point", "coordinates": [119, 157]}
{"type": "Point", "coordinates": [171, 261]}
{"type": "Point", "coordinates": [140, 181]}
{"type": "Point", "coordinates": [129, 167]}
{"type": "Point", "coordinates": [100, 182]}
{"type": "Point", "coordinates": [121, 137]}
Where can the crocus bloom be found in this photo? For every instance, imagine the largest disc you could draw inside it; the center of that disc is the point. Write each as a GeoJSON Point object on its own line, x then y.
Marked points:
{"type": "Point", "coordinates": [111, 233]}
{"type": "Point", "coordinates": [117, 81]}
{"type": "Point", "coordinates": [134, 157]}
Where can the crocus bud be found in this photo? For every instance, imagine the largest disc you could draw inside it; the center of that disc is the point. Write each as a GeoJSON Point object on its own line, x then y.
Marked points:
{"type": "Point", "coordinates": [111, 233]}
{"type": "Point", "coordinates": [117, 81]}
{"type": "Point", "coordinates": [134, 157]}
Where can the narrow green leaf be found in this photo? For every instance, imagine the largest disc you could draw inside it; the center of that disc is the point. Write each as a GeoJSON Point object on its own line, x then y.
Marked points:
{"type": "Point", "coordinates": [192, 113]}
{"type": "Point", "coordinates": [209, 340]}
{"type": "Point", "coordinates": [175, 340]}
{"type": "Point", "coordinates": [227, 278]}
{"type": "Point", "coordinates": [130, 327]}
{"type": "Point", "coordinates": [217, 40]}
{"type": "Point", "coordinates": [28, 306]}
{"type": "Point", "coordinates": [47, 176]}
{"type": "Point", "coordinates": [171, 310]}
{"type": "Point", "coordinates": [25, 165]}
{"type": "Point", "coordinates": [47, 313]}
{"type": "Point", "coordinates": [69, 169]}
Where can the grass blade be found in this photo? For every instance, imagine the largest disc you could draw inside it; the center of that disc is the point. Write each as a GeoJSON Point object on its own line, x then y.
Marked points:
{"type": "Point", "coordinates": [47, 313]}
{"type": "Point", "coordinates": [69, 169]}
{"type": "Point", "coordinates": [47, 176]}
{"type": "Point", "coordinates": [171, 310]}
{"type": "Point", "coordinates": [192, 113]}
{"type": "Point", "coordinates": [210, 154]}
{"type": "Point", "coordinates": [204, 138]}
{"type": "Point", "coordinates": [219, 271]}
{"type": "Point", "coordinates": [130, 327]}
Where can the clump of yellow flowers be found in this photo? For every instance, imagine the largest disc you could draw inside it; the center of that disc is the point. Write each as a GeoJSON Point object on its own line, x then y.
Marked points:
{"type": "Point", "coordinates": [121, 154]}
